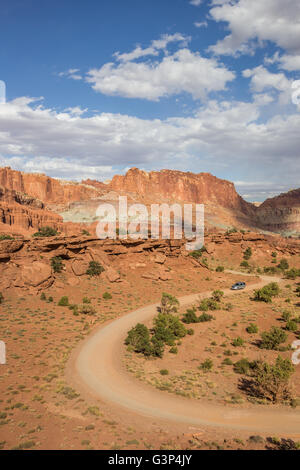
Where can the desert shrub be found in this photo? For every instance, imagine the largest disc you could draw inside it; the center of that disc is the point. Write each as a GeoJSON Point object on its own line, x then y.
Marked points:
{"type": "Point", "coordinates": [217, 295]}
{"type": "Point", "coordinates": [247, 253]}
{"type": "Point", "coordinates": [274, 254]}
{"type": "Point", "coordinates": [208, 304]}
{"type": "Point", "coordinates": [139, 338]}
{"type": "Point", "coordinates": [86, 309]}
{"type": "Point", "coordinates": [238, 341]}
{"type": "Point", "coordinates": [94, 269]}
{"type": "Point", "coordinates": [43, 296]}
{"type": "Point", "coordinates": [267, 292]}
{"type": "Point", "coordinates": [190, 331]}
{"type": "Point", "coordinates": [50, 299]}
{"type": "Point", "coordinates": [273, 338]}
{"type": "Point", "coordinates": [292, 273]}
{"type": "Point", "coordinates": [107, 296]}
{"type": "Point", "coordinates": [173, 350]}
{"type": "Point", "coordinates": [168, 304]}
{"type": "Point", "coordinates": [242, 366]}
{"type": "Point", "coordinates": [85, 232]}
{"type": "Point", "coordinates": [286, 315]}
{"type": "Point", "coordinates": [206, 365]}
{"type": "Point", "coordinates": [297, 291]}
{"type": "Point", "coordinates": [64, 302]}
{"type": "Point", "coordinates": [227, 362]}
{"type": "Point", "coordinates": [244, 264]}
{"type": "Point", "coordinates": [220, 269]}
{"type": "Point", "coordinates": [157, 347]}
{"type": "Point", "coordinates": [190, 316]}
{"type": "Point", "coordinates": [283, 264]}
{"type": "Point", "coordinates": [168, 328]}
{"type": "Point", "coordinates": [231, 230]}
{"type": "Point", "coordinates": [86, 300]}
{"type": "Point", "coordinates": [74, 308]}
{"type": "Point", "coordinates": [57, 264]}
{"type": "Point", "coordinates": [252, 329]}
{"type": "Point", "coordinates": [46, 232]}
{"type": "Point", "coordinates": [291, 325]}
{"type": "Point", "coordinates": [271, 270]}
{"type": "Point", "coordinates": [1, 298]}
{"type": "Point", "coordinates": [164, 372]}
{"type": "Point", "coordinates": [205, 317]}
{"type": "Point", "coordinates": [6, 237]}
{"type": "Point", "coordinates": [198, 253]}
{"type": "Point", "coordinates": [271, 381]}
{"type": "Point", "coordinates": [229, 307]}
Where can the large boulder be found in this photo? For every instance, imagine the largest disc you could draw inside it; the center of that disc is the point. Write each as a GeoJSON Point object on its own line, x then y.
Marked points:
{"type": "Point", "coordinates": [36, 274]}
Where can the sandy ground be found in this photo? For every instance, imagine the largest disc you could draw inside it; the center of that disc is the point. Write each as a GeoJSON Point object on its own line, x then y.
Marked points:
{"type": "Point", "coordinates": [97, 367]}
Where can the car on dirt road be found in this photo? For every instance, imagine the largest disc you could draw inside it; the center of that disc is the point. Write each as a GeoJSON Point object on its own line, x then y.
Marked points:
{"type": "Point", "coordinates": [238, 286]}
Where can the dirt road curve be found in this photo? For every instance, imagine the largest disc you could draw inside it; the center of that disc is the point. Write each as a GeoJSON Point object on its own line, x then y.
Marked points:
{"type": "Point", "coordinates": [98, 367]}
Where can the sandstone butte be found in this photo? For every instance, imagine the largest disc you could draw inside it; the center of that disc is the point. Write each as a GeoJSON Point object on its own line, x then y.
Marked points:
{"type": "Point", "coordinates": [29, 201]}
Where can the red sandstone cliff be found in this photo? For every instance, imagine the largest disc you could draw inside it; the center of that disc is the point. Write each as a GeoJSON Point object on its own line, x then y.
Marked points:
{"type": "Point", "coordinates": [201, 188]}
{"type": "Point", "coordinates": [281, 213]}
{"type": "Point", "coordinates": [48, 190]}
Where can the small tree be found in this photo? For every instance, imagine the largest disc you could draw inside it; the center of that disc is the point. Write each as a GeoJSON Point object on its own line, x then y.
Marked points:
{"type": "Point", "coordinates": [273, 338]}
{"type": "Point", "coordinates": [168, 304]}
{"type": "Point", "coordinates": [94, 269]}
{"type": "Point", "coordinates": [139, 338]}
{"type": "Point", "coordinates": [217, 295]}
{"type": "Point", "coordinates": [190, 316]}
{"type": "Point", "coordinates": [283, 264]}
{"type": "Point", "coordinates": [64, 301]}
{"type": "Point", "coordinates": [271, 381]}
{"type": "Point", "coordinates": [247, 253]}
{"type": "Point", "coordinates": [57, 264]}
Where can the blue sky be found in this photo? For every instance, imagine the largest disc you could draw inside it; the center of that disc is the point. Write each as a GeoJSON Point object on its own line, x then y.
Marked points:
{"type": "Point", "coordinates": [96, 87]}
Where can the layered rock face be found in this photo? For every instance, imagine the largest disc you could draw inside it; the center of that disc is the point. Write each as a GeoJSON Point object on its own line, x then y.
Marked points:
{"type": "Point", "coordinates": [201, 188]}
{"type": "Point", "coordinates": [48, 190]}
{"type": "Point", "coordinates": [281, 213]}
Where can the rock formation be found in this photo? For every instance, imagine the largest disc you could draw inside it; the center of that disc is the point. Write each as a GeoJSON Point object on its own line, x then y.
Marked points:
{"type": "Point", "coordinates": [281, 213]}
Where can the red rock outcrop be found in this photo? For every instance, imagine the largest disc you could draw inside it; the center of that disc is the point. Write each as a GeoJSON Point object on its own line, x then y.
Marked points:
{"type": "Point", "coordinates": [281, 213]}
{"type": "Point", "coordinates": [48, 190]}
{"type": "Point", "coordinates": [201, 188]}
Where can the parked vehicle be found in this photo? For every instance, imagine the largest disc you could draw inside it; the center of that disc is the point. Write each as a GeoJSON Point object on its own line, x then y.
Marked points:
{"type": "Point", "coordinates": [238, 286]}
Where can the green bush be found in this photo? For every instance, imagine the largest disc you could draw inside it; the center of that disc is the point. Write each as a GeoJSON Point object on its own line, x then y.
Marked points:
{"type": "Point", "coordinates": [86, 309]}
{"type": "Point", "coordinates": [267, 292]}
{"type": "Point", "coordinates": [198, 253]}
{"type": "Point", "coordinates": [205, 317]}
{"type": "Point", "coordinates": [271, 381]}
{"type": "Point", "coordinates": [107, 296]}
{"type": "Point", "coordinates": [6, 237]}
{"type": "Point", "coordinates": [238, 341]}
{"type": "Point", "coordinates": [208, 304]}
{"type": "Point", "coordinates": [217, 295]}
{"type": "Point", "coordinates": [190, 316]}
{"type": "Point", "coordinates": [168, 304]}
{"type": "Point", "coordinates": [247, 253]}
{"type": "Point", "coordinates": [242, 366]}
{"type": "Point", "coordinates": [139, 338]}
{"type": "Point", "coordinates": [244, 264]}
{"type": "Point", "coordinates": [252, 328]}
{"type": "Point", "coordinates": [291, 326]}
{"type": "Point", "coordinates": [273, 338]}
{"type": "Point", "coordinates": [1, 298]}
{"type": "Point", "coordinates": [64, 302]}
{"type": "Point", "coordinates": [173, 350]}
{"type": "Point", "coordinates": [94, 269]}
{"type": "Point", "coordinates": [206, 365]}
{"type": "Point", "coordinates": [283, 264]}
{"type": "Point", "coordinates": [286, 315]}
{"type": "Point", "coordinates": [43, 296]}
{"type": "Point", "coordinates": [57, 264]}
{"type": "Point", "coordinates": [86, 300]}
{"type": "Point", "coordinates": [292, 273]}
{"type": "Point", "coordinates": [190, 331]}
{"type": "Point", "coordinates": [220, 269]}
{"type": "Point", "coordinates": [164, 372]}
{"type": "Point", "coordinates": [168, 328]}
{"type": "Point", "coordinates": [46, 232]}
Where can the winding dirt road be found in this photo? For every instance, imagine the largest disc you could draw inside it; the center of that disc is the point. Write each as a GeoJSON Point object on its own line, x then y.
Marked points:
{"type": "Point", "coordinates": [98, 367]}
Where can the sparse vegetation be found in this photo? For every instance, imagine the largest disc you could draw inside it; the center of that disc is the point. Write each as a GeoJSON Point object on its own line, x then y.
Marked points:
{"type": "Point", "coordinates": [57, 264]}
{"type": "Point", "coordinates": [273, 339]}
{"type": "Point", "coordinates": [46, 232]}
{"type": "Point", "coordinates": [94, 269]}
{"type": "Point", "coordinates": [267, 292]}
{"type": "Point", "coordinates": [64, 301]}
